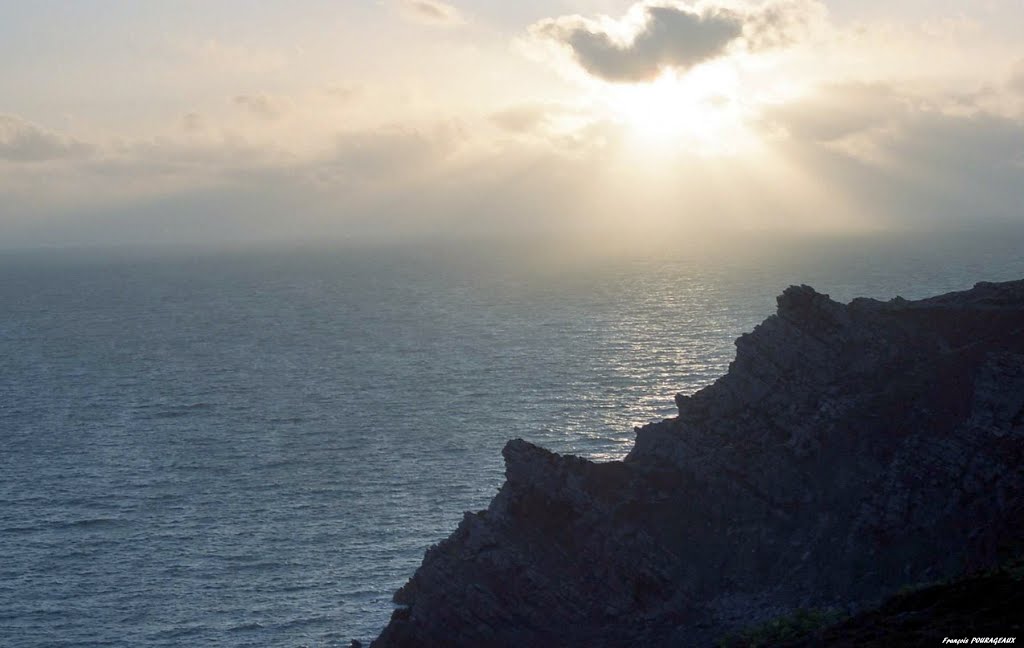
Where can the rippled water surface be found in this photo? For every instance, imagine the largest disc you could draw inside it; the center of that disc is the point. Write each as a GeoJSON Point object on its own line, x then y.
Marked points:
{"type": "Point", "coordinates": [256, 448]}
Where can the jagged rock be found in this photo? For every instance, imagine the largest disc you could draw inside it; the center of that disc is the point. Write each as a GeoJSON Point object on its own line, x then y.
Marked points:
{"type": "Point", "coordinates": [849, 450]}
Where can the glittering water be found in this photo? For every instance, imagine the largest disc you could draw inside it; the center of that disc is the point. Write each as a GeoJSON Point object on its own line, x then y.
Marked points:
{"type": "Point", "coordinates": [256, 448]}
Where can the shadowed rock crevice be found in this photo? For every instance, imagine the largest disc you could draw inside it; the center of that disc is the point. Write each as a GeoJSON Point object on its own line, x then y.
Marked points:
{"type": "Point", "coordinates": [849, 450]}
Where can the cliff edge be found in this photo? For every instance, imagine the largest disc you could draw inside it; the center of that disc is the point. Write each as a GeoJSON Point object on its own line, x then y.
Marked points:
{"type": "Point", "coordinates": [850, 450]}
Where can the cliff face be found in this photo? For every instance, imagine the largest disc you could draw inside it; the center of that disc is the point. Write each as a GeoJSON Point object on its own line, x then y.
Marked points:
{"type": "Point", "coordinates": [850, 449]}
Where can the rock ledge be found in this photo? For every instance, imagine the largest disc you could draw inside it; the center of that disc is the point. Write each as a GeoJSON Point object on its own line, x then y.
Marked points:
{"type": "Point", "coordinates": [849, 450]}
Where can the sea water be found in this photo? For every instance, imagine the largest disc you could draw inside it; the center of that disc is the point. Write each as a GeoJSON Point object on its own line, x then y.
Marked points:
{"type": "Point", "coordinates": [254, 448]}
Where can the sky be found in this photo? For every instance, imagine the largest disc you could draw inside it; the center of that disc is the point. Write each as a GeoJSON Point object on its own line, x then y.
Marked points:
{"type": "Point", "coordinates": [188, 121]}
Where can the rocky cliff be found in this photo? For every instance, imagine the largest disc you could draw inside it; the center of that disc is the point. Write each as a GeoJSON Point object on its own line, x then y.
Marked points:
{"type": "Point", "coordinates": [849, 450]}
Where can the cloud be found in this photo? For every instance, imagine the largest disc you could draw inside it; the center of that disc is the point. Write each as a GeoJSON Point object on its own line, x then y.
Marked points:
{"type": "Point", "coordinates": [780, 23]}
{"type": "Point", "coordinates": [385, 155]}
{"type": "Point", "coordinates": [236, 59]}
{"type": "Point", "coordinates": [837, 111]}
{"type": "Point", "coordinates": [654, 37]}
{"type": "Point", "coordinates": [262, 106]}
{"type": "Point", "coordinates": [670, 38]}
{"type": "Point", "coordinates": [524, 118]}
{"type": "Point", "coordinates": [342, 92]}
{"type": "Point", "coordinates": [193, 122]}
{"type": "Point", "coordinates": [1017, 77]}
{"type": "Point", "coordinates": [906, 159]}
{"type": "Point", "coordinates": [431, 12]}
{"type": "Point", "coordinates": [22, 141]}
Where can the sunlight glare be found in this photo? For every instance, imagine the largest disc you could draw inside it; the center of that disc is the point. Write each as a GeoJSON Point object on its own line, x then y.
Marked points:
{"type": "Point", "coordinates": [700, 111]}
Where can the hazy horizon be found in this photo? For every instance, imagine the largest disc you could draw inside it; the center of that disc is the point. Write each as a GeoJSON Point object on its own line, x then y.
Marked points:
{"type": "Point", "coordinates": [402, 120]}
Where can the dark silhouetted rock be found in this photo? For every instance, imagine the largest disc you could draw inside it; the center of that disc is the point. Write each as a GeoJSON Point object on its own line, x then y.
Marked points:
{"type": "Point", "coordinates": [849, 450]}
{"type": "Point", "coordinates": [979, 605]}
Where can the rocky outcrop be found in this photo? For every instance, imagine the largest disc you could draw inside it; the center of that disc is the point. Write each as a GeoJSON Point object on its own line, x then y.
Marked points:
{"type": "Point", "coordinates": [849, 450]}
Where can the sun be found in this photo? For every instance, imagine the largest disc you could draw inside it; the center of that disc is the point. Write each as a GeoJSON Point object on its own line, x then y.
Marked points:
{"type": "Point", "coordinates": [700, 111]}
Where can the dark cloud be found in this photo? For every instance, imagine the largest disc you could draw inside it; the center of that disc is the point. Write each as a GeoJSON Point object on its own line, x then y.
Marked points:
{"type": "Point", "coordinates": [676, 36]}
{"type": "Point", "coordinates": [670, 38]}
{"type": "Point", "coordinates": [22, 141]}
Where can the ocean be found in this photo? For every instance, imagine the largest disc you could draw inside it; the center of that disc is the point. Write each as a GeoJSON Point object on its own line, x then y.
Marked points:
{"type": "Point", "coordinates": [255, 447]}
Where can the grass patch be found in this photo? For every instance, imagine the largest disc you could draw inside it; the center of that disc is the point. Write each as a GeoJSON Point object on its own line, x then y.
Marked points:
{"type": "Point", "coordinates": [797, 625]}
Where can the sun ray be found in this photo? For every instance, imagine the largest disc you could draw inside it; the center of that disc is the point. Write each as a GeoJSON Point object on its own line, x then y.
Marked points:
{"type": "Point", "coordinates": [700, 111]}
